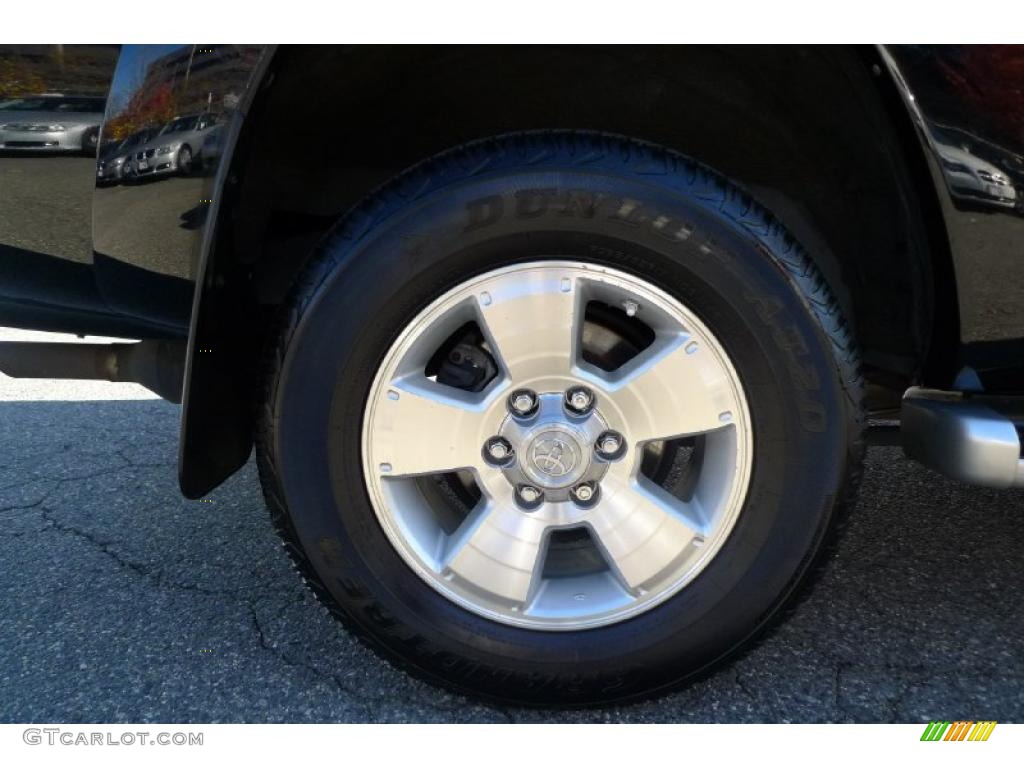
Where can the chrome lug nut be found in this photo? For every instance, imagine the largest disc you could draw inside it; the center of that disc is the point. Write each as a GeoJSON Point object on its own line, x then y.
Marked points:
{"type": "Point", "coordinates": [523, 403]}
{"type": "Point", "coordinates": [584, 494]}
{"type": "Point", "coordinates": [498, 450]}
{"type": "Point", "coordinates": [610, 445]}
{"type": "Point", "coordinates": [529, 497]}
{"type": "Point", "coordinates": [579, 400]}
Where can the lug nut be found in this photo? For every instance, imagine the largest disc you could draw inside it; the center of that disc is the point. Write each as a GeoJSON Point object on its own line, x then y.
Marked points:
{"type": "Point", "coordinates": [498, 451]}
{"type": "Point", "coordinates": [579, 400]}
{"type": "Point", "coordinates": [584, 494]}
{"type": "Point", "coordinates": [522, 402]}
{"type": "Point", "coordinates": [529, 497]}
{"type": "Point", "coordinates": [610, 445]}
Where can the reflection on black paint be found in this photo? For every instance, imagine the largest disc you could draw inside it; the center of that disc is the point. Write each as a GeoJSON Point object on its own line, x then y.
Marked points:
{"type": "Point", "coordinates": [47, 147]}
{"type": "Point", "coordinates": [968, 103]}
{"type": "Point", "coordinates": [150, 206]}
{"type": "Point", "coordinates": [99, 230]}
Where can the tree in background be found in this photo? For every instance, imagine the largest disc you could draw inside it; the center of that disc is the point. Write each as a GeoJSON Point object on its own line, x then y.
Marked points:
{"type": "Point", "coordinates": [146, 109]}
{"type": "Point", "coordinates": [19, 79]}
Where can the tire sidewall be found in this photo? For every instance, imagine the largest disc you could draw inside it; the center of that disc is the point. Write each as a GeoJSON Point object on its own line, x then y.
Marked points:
{"type": "Point", "coordinates": [373, 281]}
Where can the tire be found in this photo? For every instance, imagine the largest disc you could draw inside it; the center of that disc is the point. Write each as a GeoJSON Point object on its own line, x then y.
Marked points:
{"type": "Point", "coordinates": [90, 142]}
{"type": "Point", "coordinates": [610, 203]}
{"type": "Point", "coordinates": [184, 162]}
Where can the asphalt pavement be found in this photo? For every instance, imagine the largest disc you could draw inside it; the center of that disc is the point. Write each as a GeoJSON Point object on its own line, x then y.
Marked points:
{"type": "Point", "coordinates": [121, 601]}
{"type": "Point", "coordinates": [45, 205]}
{"type": "Point", "coordinates": [48, 206]}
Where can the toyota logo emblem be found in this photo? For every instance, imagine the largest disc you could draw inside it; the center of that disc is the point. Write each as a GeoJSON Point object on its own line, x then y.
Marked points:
{"type": "Point", "coordinates": [553, 456]}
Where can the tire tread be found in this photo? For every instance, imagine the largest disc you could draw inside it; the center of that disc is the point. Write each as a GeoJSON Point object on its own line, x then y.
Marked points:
{"type": "Point", "coordinates": [577, 148]}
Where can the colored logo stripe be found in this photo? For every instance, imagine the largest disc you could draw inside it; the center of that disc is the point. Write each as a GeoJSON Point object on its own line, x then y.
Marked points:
{"type": "Point", "coordinates": [960, 730]}
{"type": "Point", "coordinates": [982, 730]}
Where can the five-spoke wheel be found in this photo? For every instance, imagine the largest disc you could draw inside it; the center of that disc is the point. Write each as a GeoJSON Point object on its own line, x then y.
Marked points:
{"type": "Point", "coordinates": [554, 445]}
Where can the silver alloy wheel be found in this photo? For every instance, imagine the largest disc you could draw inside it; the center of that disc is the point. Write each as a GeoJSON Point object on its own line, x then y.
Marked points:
{"type": "Point", "coordinates": [493, 562]}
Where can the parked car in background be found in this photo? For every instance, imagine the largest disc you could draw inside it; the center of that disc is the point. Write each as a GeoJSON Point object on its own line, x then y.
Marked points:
{"type": "Point", "coordinates": [113, 163]}
{"type": "Point", "coordinates": [51, 123]}
{"type": "Point", "coordinates": [979, 171]}
{"type": "Point", "coordinates": [175, 149]}
{"type": "Point", "coordinates": [213, 144]}
{"type": "Point", "coordinates": [975, 180]}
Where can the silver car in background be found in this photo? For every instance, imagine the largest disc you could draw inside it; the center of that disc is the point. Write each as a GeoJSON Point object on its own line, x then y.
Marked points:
{"type": "Point", "coordinates": [972, 179]}
{"type": "Point", "coordinates": [175, 149]}
{"type": "Point", "coordinates": [51, 123]}
{"type": "Point", "coordinates": [114, 163]}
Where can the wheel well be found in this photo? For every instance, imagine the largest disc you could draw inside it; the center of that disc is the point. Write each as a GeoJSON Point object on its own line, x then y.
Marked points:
{"type": "Point", "coordinates": [816, 134]}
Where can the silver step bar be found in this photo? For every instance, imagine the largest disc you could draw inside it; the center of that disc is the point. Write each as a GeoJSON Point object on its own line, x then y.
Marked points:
{"type": "Point", "coordinates": [969, 438]}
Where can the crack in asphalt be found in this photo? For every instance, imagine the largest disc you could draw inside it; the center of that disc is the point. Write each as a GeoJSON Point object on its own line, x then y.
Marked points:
{"type": "Point", "coordinates": [154, 575]}
{"type": "Point", "coordinates": [156, 579]}
{"type": "Point", "coordinates": [916, 618]}
{"type": "Point", "coordinates": [67, 479]}
{"type": "Point", "coordinates": [286, 659]}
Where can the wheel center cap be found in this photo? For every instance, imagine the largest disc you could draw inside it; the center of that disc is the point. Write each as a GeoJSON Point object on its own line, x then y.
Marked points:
{"type": "Point", "coordinates": [555, 458]}
{"type": "Point", "coordinates": [554, 450]}
{"type": "Point", "coordinates": [554, 454]}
